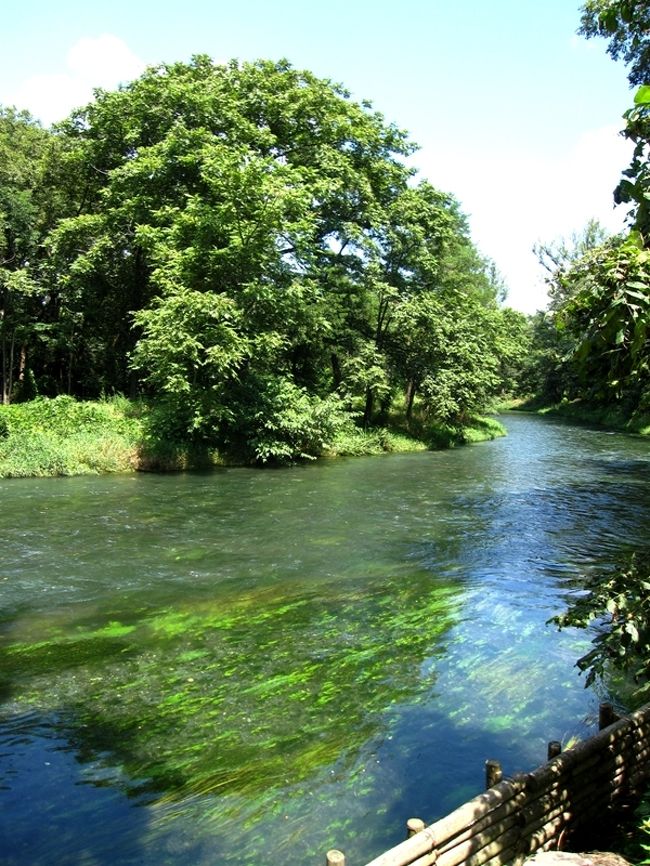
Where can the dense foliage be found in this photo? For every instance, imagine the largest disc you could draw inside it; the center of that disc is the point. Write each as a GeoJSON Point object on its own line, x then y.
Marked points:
{"type": "Point", "coordinates": [245, 244]}
{"type": "Point", "coordinates": [608, 316]}
{"type": "Point", "coordinates": [595, 348]}
{"type": "Point", "coordinates": [592, 346]}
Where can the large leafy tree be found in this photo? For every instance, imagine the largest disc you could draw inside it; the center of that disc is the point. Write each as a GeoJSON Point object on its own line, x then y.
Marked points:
{"type": "Point", "coordinates": [246, 243]}
{"type": "Point", "coordinates": [255, 182]}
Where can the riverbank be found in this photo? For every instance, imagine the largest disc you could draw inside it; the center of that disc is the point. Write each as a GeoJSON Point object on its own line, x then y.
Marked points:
{"type": "Point", "coordinates": [63, 436]}
{"type": "Point", "coordinates": [607, 417]}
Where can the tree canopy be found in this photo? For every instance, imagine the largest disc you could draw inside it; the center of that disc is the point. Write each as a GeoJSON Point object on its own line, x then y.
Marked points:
{"type": "Point", "coordinates": [246, 243]}
{"type": "Point", "coordinates": [626, 25]}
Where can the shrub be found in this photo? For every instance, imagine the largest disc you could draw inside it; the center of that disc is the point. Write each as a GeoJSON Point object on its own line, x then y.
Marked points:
{"type": "Point", "coordinates": [278, 422]}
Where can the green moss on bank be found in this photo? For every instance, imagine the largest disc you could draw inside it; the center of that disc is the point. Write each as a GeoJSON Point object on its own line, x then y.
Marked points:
{"type": "Point", "coordinates": [609, 417]}
{"type": "Point", "coordinates": [62, 436]}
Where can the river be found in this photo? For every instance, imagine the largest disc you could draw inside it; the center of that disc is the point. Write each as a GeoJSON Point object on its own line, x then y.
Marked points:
{"type": "Point", "coordinates": [251, 667]}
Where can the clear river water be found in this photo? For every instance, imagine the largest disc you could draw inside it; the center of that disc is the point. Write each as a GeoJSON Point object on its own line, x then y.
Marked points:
{"type": "Point", "coordinates": [251, 667]}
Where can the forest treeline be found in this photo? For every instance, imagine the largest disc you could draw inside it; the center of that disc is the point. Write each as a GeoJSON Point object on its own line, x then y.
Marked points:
{"type": "Point", "coordinates": [246, 246]}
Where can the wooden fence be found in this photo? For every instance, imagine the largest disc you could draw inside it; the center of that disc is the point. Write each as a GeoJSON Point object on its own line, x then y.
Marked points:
{"type": "Point", "coordinates": [534, 811]}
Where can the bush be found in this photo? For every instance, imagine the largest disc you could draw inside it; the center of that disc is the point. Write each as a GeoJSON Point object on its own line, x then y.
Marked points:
{"type": "Point", "coordinates": [275, 421]}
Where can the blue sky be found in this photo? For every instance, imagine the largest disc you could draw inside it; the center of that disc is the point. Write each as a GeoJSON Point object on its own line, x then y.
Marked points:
{"type": "Point", "coordinates": [514, 113]}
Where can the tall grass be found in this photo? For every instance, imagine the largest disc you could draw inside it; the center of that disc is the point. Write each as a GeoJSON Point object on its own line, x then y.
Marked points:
{"type": "Point", "coordinates": [355, 442]}
{"type": "Point", "coordinates": [475, 429]}
{"type": "Point", "coordinates": [62, 436]}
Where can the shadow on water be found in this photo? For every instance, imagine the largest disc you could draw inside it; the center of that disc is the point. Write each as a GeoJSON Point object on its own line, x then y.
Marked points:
{"type": "Point", "coordinates": [443, 778]}
{"type": "Point", "coordinates": [56, 809]}
{"type": "Point", "coordinates": [637, 469]}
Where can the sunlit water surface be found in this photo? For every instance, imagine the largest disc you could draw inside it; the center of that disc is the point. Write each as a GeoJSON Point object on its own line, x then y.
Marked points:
{"type": "Point", "coordinates": [251, 667]}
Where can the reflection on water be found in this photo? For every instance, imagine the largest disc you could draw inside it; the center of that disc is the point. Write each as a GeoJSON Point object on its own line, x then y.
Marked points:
{"type": "Point", "coordinates": [253, 665]}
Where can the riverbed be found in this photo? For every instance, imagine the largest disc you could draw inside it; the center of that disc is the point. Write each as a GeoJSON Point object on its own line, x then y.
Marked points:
{"type": "Point", "coordinates": [254, 666]}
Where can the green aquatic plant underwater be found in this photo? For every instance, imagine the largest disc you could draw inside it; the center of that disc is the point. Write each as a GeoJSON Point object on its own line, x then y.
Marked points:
{"type": "Point", "coordinates": [211, 696]}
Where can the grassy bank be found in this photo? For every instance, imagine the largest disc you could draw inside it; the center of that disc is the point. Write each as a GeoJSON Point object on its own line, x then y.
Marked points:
{"type": "Point", "coordinates": [608, 417]}
{"type": "Point", "coordinates": [395, 439]}
{"type": "Point", "coordinates": [62, 436]}
{"type": "Point", "coordinates": [65, 437]}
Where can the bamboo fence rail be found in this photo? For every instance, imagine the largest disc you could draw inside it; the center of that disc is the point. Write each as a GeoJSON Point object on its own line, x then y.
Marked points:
{"type": "Point", "coordinates": [529, 812]}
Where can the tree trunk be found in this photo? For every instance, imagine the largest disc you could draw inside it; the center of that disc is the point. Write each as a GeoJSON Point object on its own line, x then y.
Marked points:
{"type": "Point", "coordinates": [9, 381]}
{"type": "Point", "coordinates": [410, 397]}
{"type": "Point", "coordinates": [3, 370]}
{"type": "Point", "coordinates": [367, 412]}
{"type": "Point", "coordinates": [22, 363]}
{"type": "Point", "coordinates": [69, 382]}
{"type": "Point", "coordinates": [5, 394]}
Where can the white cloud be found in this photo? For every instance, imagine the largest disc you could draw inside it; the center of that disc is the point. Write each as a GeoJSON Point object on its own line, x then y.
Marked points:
{"type": "Point", "coordinates": [515, 201]}
{"type": "Point", "coordinates": [50, 97]}
{"type": "Point", "coordinates": [105, 61]}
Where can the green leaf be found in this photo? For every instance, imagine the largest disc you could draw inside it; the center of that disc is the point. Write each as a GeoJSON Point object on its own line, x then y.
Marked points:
{"type": "Point", "coordinates": [642, 96]}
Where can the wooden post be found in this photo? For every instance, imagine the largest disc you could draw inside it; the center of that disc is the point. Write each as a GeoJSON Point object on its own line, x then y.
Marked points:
{"type": "Point", "coordinates": [493, 773]}
{"type": "Point", "coordinates": [413, 826]}
{"type": "Point", "coordinates": [554, 749]}
{"type": "Point", "coordinates": [335, 858]}
{"type": "Point", "coordinates": [606, 715]}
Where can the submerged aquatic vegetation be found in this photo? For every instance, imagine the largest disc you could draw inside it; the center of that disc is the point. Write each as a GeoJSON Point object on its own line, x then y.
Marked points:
{"type": "Point", "coordinates": [236, 695]}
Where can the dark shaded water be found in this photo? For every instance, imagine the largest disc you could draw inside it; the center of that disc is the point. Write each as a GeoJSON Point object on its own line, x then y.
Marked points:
{"type": "Point", "coordinates": [251, 667]}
